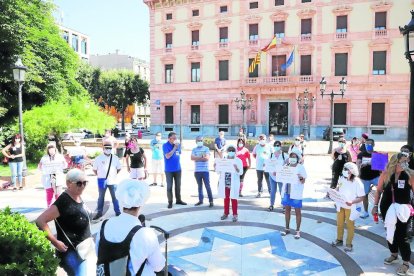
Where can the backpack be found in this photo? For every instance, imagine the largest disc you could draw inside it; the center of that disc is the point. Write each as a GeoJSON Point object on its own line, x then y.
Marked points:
{"type": "Point", "coordinates": [113, 258]}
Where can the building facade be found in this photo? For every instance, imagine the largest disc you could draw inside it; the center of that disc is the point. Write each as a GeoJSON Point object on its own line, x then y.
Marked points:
{"type": "Point", "coordinates": [142, 113]}
{"type": "Point", "coordinates": [201, 52]}
{"type": "Point", "coordinates": [78, 41]}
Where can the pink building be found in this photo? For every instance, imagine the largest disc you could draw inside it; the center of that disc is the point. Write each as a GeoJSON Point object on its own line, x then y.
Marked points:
{"type": "Point", "coordinates": [201, 52]}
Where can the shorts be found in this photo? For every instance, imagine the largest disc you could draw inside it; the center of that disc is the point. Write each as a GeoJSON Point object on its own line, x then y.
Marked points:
{"type": "Point", "coordinates": [137, 173]}
{"type": "Point", "coordinates": [157, 166]}
{"type": "Point", "coordinates": [367, 184]}
{"type": "Point", "coordinates": [287, 201]}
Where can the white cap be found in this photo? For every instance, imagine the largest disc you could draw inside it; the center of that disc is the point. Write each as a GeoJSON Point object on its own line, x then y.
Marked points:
{"type": "Point", "coordinates": [352, 167]}
{"type": "Point", "coordinates": [132, 193]}
{"type": "Point", "coordinates": [297, 152]}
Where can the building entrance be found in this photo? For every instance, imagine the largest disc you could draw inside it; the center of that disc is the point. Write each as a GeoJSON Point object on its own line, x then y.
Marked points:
{"type": "Point", "coordinates": [278, 118]}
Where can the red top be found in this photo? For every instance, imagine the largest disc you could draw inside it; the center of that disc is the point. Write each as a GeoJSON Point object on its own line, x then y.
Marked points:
{"type": "Point", "coordinates": [243, 154]}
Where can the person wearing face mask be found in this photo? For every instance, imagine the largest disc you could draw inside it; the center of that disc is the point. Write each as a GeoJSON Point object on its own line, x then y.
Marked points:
{"type": "Point", "coordinates": [14, 153]}
{"type": "Point", "coordinates": [200, 155]}
{"type": "Point", "coordinates": [219, 144]}
{"type": "Point", "coordinates": [395, 187]}
{"type": "Point", "coordinates": [136, 161]}
{"type": "Point", "coordinates": [106, 167]}
{"type": "Point", "coordinates": [289, 199]}
{"type": "Point", "coordinates": [244, 155]}
{"type": "Point", "coordinates": [157, 160]}
{"type": "Point", "coordinates": [368, 176]}
{"type": "Point", "coordinates": [298, 147]}
{"type": "Point", "coordinates": [352, 189]}
{"type": "Point", "coordinates": [282, 159]}
{"type": "Point", "coordinates": [409, 150]}
{"type": "Point", "coordinates": [229, 184]}
{"type": "Point", "coordinates": [54, 182]}
{"type": "Point", "coordinates": [261, 152]}
{"type": "Point", "coordinates": [108, 138]}
{"type": "Point", "coordinates": [340, 157]}
{"type": "Point", "coordinates": [78, 155]}
{"type": "Point", "coordinates": [353, 149]}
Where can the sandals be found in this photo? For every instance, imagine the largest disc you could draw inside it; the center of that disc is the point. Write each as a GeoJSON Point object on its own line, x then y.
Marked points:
{"type": "Point", "coordinates": [390, 259]}
{"type": "Point", "coordinates": [402, 269]}
{"type": "Point", "coordinates": [285, 233]}
{"type": "Point", "coordinates": [337, 243]}
{"type": "Point", "coordinates": [297, 236]}
{"type": "Point", "coordinates": [348, 248]}
{"type": "Point", "coordinates": [270, 209]}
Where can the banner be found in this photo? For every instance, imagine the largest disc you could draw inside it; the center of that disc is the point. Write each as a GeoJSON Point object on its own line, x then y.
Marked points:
{"type": "Point", "coordinates": [224, 165]}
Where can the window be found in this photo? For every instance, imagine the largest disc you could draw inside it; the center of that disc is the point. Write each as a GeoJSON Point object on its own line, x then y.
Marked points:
{"type": "Point", "coordinates": [340, 114]}
{"type": "Point", "coordinates": [279, 28]}
{"type": "Point", "coordinates": [223, 114]}
{"type": "Point", "coordinates": [195, 72]}
{"type": "Point", "coordinates": [341, 24]}
{"type": "Point", "coordinates": [255, 73]}
{"type": "Point", "coordinates": [253, 31]}
{"type": "Point", "coordinates": [379, 63]}
{"type": "Point", "coordinates": [380, 20]}
{"type": "Point", "coordinates": [378, 114]}
{"type": "Point", "coordinates": [168, 16]}
{"type": "Point", "coordinates": [84, 46]}
{"type": "Point", "coordinates": [306, 65]}
{"type": "Point", "coordinates": [223, 9]}
{"type": "Point", "coordinates": [306, 1]}
{"type": "Point", "coordinates": [279, 2]}
{"type": "Point", "coordinates": [224, 34]}
{"type": "Point", "coordinates": [341, 64]}
{"type": "Point", "coordinates": [254, 5]}
{"type": "Point", "coordinates": [195, 114]}
{"type": "Point", "coordinates": [196, 12]}
{"type": "Point", "coordinates": [223, 70]}
{"type": "Point", "coordinates": [195, 38]}
{"type": "Point", "coordinates": [169, 114]}
{"type": "Point", "coordinates": [169, 73]}
{"type": "Point", "coordinates": [277, 62]}
{"type": "Point", "coordinates": [306, 26]}
{"type": "Point", "coordinates": [66, 36]}
{"type": "Point", "coordinates": [75, 41]}
{"type": "Point", "coordinates": [168, 41]}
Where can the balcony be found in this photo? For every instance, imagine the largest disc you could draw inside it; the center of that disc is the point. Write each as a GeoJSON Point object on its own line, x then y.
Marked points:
{"type": "Point", "coordinates": [168, 48]}
{"type": "Point", "coordinates": [341, 36]}
{"type": "Point", "coordinates": [280, 80]}
{"type": "Point", "coordinates": [223, 45]}
{"type": "Point", "coordinates": [306, 37]}
{"type": "Point", "coordinates": [253, 42]}
{"type": "Point", "coordinates": [194, 47]}
{"type": "Point", "coordinates": [381, 33]}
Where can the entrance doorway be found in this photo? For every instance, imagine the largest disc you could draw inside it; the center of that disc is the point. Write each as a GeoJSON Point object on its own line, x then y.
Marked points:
{"type": "Point", "coordinates": [278, 118]}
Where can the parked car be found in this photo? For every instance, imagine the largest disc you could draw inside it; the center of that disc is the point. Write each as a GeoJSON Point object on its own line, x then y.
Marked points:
{"type": "Point", "coordinates": [337, 133]}
{"type": "Point", "coordinates": [75, 134]}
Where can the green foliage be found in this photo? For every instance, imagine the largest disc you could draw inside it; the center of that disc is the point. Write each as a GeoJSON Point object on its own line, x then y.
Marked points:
{"type": "Point", "coordinates": [27, 29]}
{"type": "Point", "coordinates": [57, 117]}
{"type": "Point", "coordinates": [25, 249]}
{"type": "Point", "coordinates": [94, 154]}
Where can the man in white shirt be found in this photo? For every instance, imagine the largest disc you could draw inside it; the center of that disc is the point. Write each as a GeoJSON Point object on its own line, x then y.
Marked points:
{"type": "Point", "coordinates": [106, 168]}
{"type": "Point", "coordinates": [108, 138]}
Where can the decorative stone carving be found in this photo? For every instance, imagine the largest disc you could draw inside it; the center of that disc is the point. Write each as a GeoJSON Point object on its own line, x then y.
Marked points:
{"type": "Point", "coordinates": [306, 13]}
{"type": "Point", "coordinates": [194, 26]}
{"type": "Point", "coordinates": [167, 29]}
{"type": "Point", "coordinates": [279, 16]}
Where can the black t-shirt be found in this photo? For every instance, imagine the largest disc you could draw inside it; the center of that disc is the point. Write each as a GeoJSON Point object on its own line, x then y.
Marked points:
{"type": "Point", "coordinates": [137, 160]}
{"type": "Point", "coordinates": [73, 219]}
{"type": "Point", "coordinates": [366, 172]}
{"type": "Point", "coordinates": [339, 162]}
{"type": "Point", "coordinates": [402, 192]}
{"type": "Point", "coordinates": [13, 150]}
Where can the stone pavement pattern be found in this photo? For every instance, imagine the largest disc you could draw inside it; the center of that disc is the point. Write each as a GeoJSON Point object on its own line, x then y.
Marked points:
{"type": "Point", "coordinates": [201, 244]}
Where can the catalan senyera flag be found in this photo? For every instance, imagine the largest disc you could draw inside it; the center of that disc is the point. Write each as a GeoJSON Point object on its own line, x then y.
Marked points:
{"type": "Point", "coordinates": [255, 62]}
{"type": "Point", "coordinates": [271, 45]}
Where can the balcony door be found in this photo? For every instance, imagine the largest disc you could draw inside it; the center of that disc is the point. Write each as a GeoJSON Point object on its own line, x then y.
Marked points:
{"type": "Point", "coordinates": [279, 118]}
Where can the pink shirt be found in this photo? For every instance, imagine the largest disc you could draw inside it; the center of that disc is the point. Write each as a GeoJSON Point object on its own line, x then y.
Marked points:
{"type": "Point", "coordinates": [353, 150]}
{"type": "Point", "coordinates": [243, 154]}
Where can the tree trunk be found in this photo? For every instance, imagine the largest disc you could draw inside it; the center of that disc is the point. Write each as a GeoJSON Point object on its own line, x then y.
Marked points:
{"type": "Point", "coordinates": [123, 120]}
{"type": "Point", "coordinates": [59, 145]}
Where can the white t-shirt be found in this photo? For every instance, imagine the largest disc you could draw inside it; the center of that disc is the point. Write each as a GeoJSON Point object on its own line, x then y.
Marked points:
{"type": "Point", "coordinates": [350, 189]}
{"type": "Point", "coordinates": [280, 161]}
{"type": "Point", "coordinates": [60, 176]}
{"type": "Point", "coordinates": [296, 191]}
{"type": "Point", "coordinates": [101, 166]}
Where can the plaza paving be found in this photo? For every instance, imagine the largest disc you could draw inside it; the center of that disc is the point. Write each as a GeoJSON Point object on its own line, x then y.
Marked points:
{"type": "Point", "coordinates": [202, 244]}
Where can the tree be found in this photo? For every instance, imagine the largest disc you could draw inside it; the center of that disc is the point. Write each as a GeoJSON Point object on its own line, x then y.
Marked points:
{"type": "Point", "coordinates": [27, 29]}
{"type": "Point", "coordinates": [57, 117]}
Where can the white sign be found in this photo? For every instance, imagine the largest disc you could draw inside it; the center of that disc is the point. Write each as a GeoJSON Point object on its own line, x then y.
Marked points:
{"type": "Point", "coordinates": [288, 176]}
{"type": "Point", "coordinates": [224, 165]}
{"type": "Point", "coordinates": [52, 167]}
{"type": "Point", "coordinates": [272, 165]}
{"type": "Point", "coordinates": [337, 197]}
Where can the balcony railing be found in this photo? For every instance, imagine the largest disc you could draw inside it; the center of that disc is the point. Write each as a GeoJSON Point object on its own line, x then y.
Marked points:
{"type": "Point", "coordinates": [341, 35]}
{"type": "Point", "coordinates": [254, 42]}
{"type": "Point", "coordinates": [306, 37]}
{"type": "Point", "coordinates": [194, 47]}
{"type": "Point", "coordinates": [223, 45]}
{"type": "Point", "coordinates": [276, 80]}
{"type": "Point", "coordinates": [279, 80]}
{"type": "Point", "coordinates": [380, 33]}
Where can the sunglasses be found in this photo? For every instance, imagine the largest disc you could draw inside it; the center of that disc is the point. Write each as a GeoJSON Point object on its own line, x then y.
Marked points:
{"type": "Point", "coordinates": [80, 183]}
{"type": "Point", "coordinates": [297, 139]}
{"type": "Point", "coordinates": [108, 148]}
{"type": "Point", "coordinates": [403, 154]}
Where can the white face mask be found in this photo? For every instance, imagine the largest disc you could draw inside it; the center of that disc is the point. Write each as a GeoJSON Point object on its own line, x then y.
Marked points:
{"type": "Point", "coordinates": [404, 165]}
{"type": "Point", "coordinates": [262, 142]}
{"type": "Point", "coordinates": [297, 143]}
{"type": "Point", "coordinates": [293, 160]}
{"type": "Point", "coordinates": [241, 145]}
{"type": "Point", "coordinates": [345, 173]}
{"type": "Point", "coordinates": [200, 143]}
{"type": "Point", "coordinates": [52, 152]}
{"type": "Point", "coordinates": [342, 145]}
{"type": "Point", "coordinates": [107, 151]}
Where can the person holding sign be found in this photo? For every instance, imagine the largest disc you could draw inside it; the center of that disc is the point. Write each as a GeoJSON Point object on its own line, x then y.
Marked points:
{"type": "Point", "coordinates": [261, 152]}
{"type": "Point", "coordinates": [293, 177]}
{"type": "Point", "coordinates": [280, 159]}
{"type": "Point", "coordinates": [229, 183]}
{"type": "Point", "coordinates": [352, 191]}
{"type": "Point", "coordinates": [53, 178]}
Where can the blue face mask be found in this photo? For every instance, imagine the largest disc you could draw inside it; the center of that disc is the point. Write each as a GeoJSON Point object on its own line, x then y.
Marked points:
{"type": "Point", "coordinates": [369, 147]}
{"type": "Point", "coordinates": [231, 154]}
{"type": "Point", "coordinates": [277, 148]}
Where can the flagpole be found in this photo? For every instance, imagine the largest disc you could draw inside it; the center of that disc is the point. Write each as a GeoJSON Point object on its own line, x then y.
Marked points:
{"type": "Point", "coordinates": [294, 61]}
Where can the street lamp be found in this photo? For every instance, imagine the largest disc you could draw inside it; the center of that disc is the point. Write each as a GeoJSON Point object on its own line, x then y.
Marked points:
{"type": "Point", "coordinates": [19, 74]}
{"type": "Point", "coordinates": [408, 32]}
{"type": "Point", "coordinates": [243, 104]}
{"type": "Point", "coordinates": [342, 88]}
{"type": "Point", "coordinates": [306, 103]}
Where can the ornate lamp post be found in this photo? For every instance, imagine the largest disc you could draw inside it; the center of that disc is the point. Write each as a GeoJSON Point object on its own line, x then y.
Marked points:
{"type": "Point", "coordinates": [342, 88]}
{"type": "Point", "coordinates": [243, 104]}
{"type": "Point", "coordinates": [19, 74]}
{"type": "Point", "coordinates": [408, 32]}
{"type": "Point", "coordinates": [306, 103]}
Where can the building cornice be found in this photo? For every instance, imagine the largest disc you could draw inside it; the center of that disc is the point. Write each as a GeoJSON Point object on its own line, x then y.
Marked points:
{"type": "Point", "coordinates": [342, 10]}
{"type": "Point", "coordinates": [253, 18]}
{"type": "Point", "coordinates": [194, 26]}
{"type": "Point", "coordinates": [384, 42]}
{"type": "Point", "coordinates": [195, 56]}
{"type": "Point", "coordinates": [279, 16]}
{"type": "Point", "coordinates": [341, 45]}
{"type": "Point", "coordinates": [306, 48]}
{"type": "Point", "coordinates": [381, 6]}
{"type": "Point", "coordinates": [222, 54]}
{"type": "Point", "coordinates": [223, 22]}
{"type": "Point", "coordinates": [168, 59]}
{"type": "Point", "coordinates": [168, 29]}
{"type": "Point", "coordinates": [306, 13]}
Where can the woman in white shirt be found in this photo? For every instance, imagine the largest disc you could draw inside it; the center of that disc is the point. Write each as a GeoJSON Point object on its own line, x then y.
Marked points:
{"type": "Point", "coordinates": [352, 189]}
{"type": "Point", "coordinates": [292, 193]}
{"type": "Point", "coordinates": [281, 158]}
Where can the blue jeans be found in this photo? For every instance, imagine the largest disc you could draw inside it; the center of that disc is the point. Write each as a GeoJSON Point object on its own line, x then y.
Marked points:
{"type": "Point", "coordinates": [101, 198]}
{"type": "Point", "coordinates": [173, 177]}
{"type": "Point", "coordinates": [16, 169]}
{"type": "Point", "coordinates": [72, 264]}
{"type": "Point", "coordinates": [200, 177]}
{"type": "Point", "coordinates": [273, 190]}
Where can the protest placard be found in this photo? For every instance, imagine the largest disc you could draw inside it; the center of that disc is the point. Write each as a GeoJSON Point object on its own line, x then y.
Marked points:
{"type": "Point", "coordinates": [379, 161]}
{"type": "Point", "coordinates": [272, 165]}
{"type": "Point", "coordinates": [224, 165]}
{"type": "Point", "coordinates": [52, 167]}
{"type": "Point", "coordinates": [337, 197]}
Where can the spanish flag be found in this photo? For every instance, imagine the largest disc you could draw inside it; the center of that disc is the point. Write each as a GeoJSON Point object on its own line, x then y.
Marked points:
{"type": "Point", "coordinates": [271, 45]}
{"type": "Point", "coordinates": [255, 62]}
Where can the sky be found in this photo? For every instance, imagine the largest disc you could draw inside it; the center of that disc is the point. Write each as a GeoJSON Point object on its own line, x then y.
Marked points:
{"type": "Point", "coordinates": [110, 24]}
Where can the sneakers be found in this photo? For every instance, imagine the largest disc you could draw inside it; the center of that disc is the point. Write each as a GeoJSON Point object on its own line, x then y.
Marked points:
{"type": "Point", "coordinates": [97, 217]}
{"type": "Point", "coordinates": [364, 215]}
{"type": "Point", "coordinates": [211, 205]}
{"type": "Point", "coordinates": [153, 184]}
{"type": "Point", "coordinates": [259, 195]}
{"type": "Point", "coordinates": [348, 248]}
{"type": "Point", "coordinates": [270, 209]}
{"type": "Point", "coordinates": [337, 243]}
{"type": "Point", "coordinates": [223, 217]}
{"type": "Point", "coordinates": [403, 269]}
{"type": "Point", "coordinates": [235, 218]}
{"type": "Point", "coordinates": [198, 203]}
{"type": "Point", "coordinates": [391, 259]}
{"type": "Point", "coordinates": [240, 195]}
{"type": "Point", "coordinates": [181, 203]}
